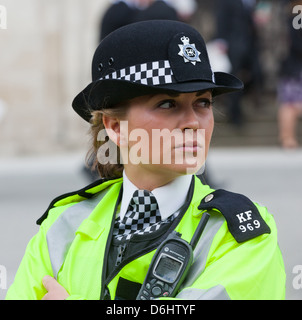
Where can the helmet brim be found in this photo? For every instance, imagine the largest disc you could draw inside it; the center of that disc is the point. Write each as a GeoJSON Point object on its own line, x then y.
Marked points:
{"type": "Point", "coordinates": [108, 92]}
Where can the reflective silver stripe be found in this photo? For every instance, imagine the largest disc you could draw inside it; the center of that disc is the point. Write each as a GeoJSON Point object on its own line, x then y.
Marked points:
{"type": "Point", "coordinates": [61, 234]}
{"type": "Point", "coordinates": [203, 247]}
{"type": "Point", "coordinates": [215, 293]}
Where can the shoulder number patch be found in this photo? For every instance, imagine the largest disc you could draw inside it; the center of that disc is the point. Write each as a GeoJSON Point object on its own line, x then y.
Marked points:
{"type": "Point", "coordinates": [242, 216]}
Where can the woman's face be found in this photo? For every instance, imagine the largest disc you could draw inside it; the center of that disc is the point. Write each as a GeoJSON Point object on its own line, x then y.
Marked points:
{"type": "Point", "coordinates": [167, 134]}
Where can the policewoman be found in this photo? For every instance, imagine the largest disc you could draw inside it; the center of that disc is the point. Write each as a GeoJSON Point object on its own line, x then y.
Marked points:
{"type": "Point", "coordinates": [98, 242]}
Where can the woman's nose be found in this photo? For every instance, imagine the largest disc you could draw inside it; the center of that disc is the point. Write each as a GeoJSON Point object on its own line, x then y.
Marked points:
{"type": "Point", "coordinates": [189, 120]}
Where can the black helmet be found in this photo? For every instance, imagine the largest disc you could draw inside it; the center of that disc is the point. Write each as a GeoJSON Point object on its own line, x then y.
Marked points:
{"type": "Point", "coordinates": [150, 57]}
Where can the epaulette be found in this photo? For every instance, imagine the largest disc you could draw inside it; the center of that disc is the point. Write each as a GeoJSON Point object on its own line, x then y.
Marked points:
{"type": "Point", "coordinates": [242, 216]}
{"type": "Point", "coordinates": [81, 193]}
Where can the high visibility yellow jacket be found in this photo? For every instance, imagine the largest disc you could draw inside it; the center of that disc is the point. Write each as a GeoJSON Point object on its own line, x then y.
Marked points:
{"type": "Point", "coordinates": [237, 256]}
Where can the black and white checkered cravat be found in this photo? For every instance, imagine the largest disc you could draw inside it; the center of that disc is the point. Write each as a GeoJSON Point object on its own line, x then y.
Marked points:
{"type": "Point", "coordinates": [142, 216]}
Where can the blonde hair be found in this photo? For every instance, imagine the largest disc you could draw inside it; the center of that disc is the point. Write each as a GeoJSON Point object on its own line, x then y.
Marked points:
{"type": "Point", "coordinates": [108, 171]}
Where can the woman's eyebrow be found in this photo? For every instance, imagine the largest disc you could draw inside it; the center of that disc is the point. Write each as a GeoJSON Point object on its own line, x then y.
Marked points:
{"type": "Point", "coordinates": [201, 92]}
{"type": "Point", "coordinates": [177, 94]}
{"type": "Point", "coordinates": [170, 94]}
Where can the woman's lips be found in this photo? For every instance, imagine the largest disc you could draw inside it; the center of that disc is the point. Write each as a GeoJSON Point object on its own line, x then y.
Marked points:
{"type": "Point", "coordinates": [189, 146]}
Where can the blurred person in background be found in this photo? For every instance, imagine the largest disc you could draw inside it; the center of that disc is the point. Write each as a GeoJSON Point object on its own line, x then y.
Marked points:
{"type": "Point", "coordinates": [119, 14]}
{"type": "Point", "coordinates": [123, 12]}
{"type": "Point", "coordinates": [290, 83]}
{"type": "Point", "coordinates": [236, 36]}
{"type": "Point", "coordinates": [185, 8]}
{"type": "Point", "coordinates": [157, 10]}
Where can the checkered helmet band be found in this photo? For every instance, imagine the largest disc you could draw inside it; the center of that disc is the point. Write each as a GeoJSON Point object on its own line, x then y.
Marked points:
{"type": "Point", "coordinates": [150, 73]}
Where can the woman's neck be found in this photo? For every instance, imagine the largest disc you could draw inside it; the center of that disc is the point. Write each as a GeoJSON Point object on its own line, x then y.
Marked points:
{"type": "Point", "coordinates": [149, 179]}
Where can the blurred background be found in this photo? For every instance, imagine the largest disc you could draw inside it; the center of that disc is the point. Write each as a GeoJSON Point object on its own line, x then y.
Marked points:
{"type": "Point", "coordinates": [45, 59]}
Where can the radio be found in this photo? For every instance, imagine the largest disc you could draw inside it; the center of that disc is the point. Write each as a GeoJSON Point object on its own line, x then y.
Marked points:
{"type": "Point", "coordinates": [170, 264]}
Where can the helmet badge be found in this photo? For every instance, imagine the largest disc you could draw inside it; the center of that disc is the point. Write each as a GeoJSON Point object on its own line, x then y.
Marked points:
{"type": "Point", "coordinates": [188, 51]}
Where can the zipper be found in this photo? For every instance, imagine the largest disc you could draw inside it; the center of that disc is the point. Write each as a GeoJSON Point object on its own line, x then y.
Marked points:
{"type": "Point", "coordinates": [120, 253]}
{"type": "Point", "coordinates": [122, 263]}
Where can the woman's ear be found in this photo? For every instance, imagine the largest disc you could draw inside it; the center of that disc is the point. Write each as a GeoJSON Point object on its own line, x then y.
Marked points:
{"type": "Point", "coordinates": [113, 128]}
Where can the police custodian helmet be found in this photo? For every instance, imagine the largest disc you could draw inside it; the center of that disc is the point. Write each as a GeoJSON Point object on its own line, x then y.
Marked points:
{"type": "Point", "coordinates": [150, 57]}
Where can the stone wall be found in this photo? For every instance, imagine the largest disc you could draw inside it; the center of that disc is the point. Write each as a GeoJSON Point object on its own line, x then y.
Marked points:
{"type": "Point", "coordinates": [45, 60]}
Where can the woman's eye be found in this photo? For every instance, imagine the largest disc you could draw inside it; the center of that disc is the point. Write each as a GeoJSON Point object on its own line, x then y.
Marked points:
{"type": "Point", "coordinates": [204, 103]}
{"type": "Point", "coordinates": [201, 103]}
{"type": "Point", "coordinates": [166, 104]}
